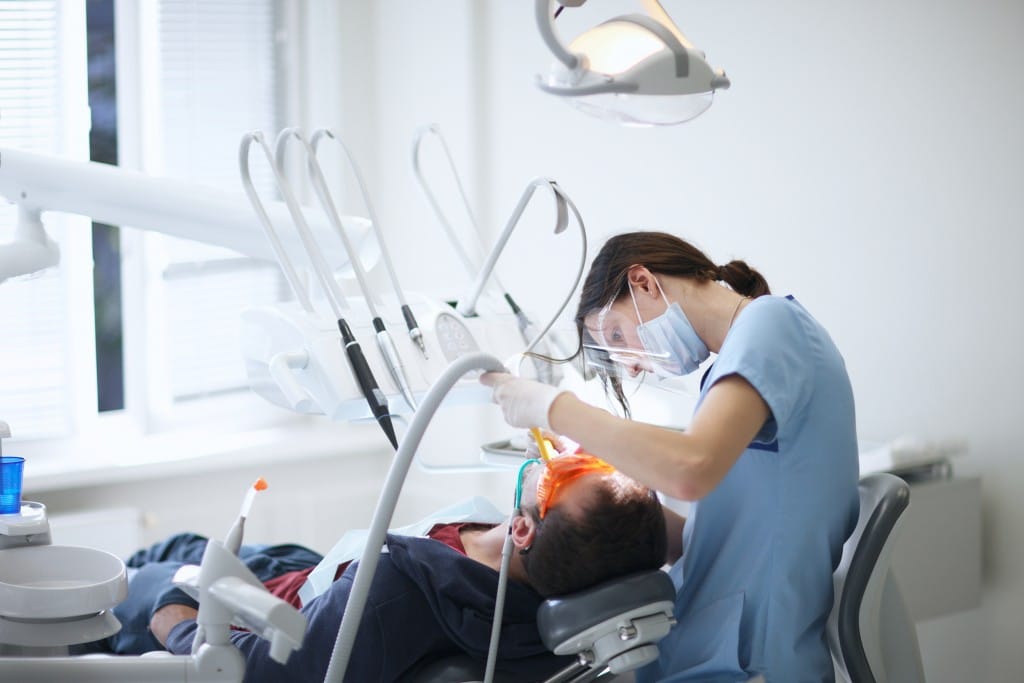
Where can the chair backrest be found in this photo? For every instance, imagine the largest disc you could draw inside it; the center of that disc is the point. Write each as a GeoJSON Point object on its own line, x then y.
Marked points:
{"type": "Point", "coordinates": [871, 635]}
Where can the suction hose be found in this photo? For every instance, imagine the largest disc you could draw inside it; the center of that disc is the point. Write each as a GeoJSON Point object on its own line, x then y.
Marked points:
{"type": "Point", "coordinates": [389, 499]}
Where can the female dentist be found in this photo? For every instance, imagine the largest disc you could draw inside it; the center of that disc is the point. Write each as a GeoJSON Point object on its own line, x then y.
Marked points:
{"type": "Point", "coordinates": [770, 456]}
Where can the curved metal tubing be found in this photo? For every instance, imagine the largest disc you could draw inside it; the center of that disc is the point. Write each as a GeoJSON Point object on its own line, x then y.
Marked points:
{"type": "Point", "coordinates": [290, 273]}
{"type": "Point", "coordinates": [467, 307]}
{"type": "Point", "coordinates": [384, 340]}
{"type": "Point", "coordinates": [410, 320]}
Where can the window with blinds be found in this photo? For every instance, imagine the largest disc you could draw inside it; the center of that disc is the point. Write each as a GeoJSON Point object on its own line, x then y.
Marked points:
{"type": "Point", "coordinates": [205, 72]}
{"type": "Point", "coordinates": [33, 358]}
{"type": "Point", "coordinates": [215, 68]}
{"type": "Point", "coordinates": [43, 109]}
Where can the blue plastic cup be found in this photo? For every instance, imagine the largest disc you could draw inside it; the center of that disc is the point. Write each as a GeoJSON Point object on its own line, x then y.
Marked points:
{"type": "Point", "coordinates": [11, 468]}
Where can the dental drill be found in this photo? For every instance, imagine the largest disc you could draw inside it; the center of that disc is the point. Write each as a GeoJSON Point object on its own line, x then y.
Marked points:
{"type": "Point", "coordinates": [384, 340]}
{"type": "Point", "coordinates": [375, 398]}
{"type": "Point", "coordinates": [410, 320]}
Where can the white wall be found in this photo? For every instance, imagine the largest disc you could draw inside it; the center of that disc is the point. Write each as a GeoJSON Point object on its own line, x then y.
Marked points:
{"type": "Point", "coordinates": [869, 159]}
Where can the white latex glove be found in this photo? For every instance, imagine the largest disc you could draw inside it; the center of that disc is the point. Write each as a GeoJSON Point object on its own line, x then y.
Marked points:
{"type": "Point", "coordinates": [557, 445]}
{"type": "Point", "coordinates": [524, 403]}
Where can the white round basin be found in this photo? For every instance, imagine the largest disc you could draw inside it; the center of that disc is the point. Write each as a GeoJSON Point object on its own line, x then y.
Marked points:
{"type": "Point", "coordinates": [59, 581]}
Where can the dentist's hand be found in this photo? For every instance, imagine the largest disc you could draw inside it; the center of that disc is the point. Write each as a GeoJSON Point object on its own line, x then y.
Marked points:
{"type": "Point", "coordinates": [558, 445]}
{"type": "Point", "coordinates": [525, 403]}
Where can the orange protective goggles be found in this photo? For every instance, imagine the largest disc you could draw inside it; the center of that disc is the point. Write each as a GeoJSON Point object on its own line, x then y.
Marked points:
{"type": "Point", "coordinates": [562, 471]}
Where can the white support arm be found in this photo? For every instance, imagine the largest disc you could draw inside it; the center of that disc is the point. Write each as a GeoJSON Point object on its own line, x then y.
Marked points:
{"type": "Point", "coordinates": [117, 196]}
{"type": "Point", "coordinates": [467, 304]}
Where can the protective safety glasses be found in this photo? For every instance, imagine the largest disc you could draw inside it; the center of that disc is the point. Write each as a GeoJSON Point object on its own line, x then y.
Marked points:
{"type": "Point", "coordinates": [613, 359]}
{"type": "Point", "coordinates": [562, 471]}
{"type": "Point", "coordinates": [613, 344]}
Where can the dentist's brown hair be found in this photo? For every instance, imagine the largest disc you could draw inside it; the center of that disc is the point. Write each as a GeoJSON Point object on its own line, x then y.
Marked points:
{"type": "Point", "coordinates": [662, 254]}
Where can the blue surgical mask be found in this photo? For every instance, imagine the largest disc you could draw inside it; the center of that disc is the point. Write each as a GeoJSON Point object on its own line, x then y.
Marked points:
{"type": "Point", "coordinates": [672, 334]}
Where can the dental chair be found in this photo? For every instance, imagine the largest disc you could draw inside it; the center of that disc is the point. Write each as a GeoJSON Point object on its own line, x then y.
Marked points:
{"type": "Point", "coordinates": [611, 629]}
{"type": "Point", "coordinates": [870, 632]}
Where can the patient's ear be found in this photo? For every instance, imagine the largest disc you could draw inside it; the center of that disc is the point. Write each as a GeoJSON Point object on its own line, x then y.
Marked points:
{"type": "Point", "coordinates": [524, 530]}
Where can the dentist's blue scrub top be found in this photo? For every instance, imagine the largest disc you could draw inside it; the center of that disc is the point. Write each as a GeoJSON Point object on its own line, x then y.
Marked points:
{"type": "Point", "coordinates": [755, 579]}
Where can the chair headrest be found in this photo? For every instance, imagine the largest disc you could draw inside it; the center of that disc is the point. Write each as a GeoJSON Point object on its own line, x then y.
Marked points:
{"type": "Point", "coordinates": [561, 618]}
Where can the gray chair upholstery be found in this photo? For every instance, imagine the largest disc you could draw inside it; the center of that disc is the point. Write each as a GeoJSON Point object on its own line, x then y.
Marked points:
{"type": "Point", "coordinates": [612, 628]}
{"type": "Point", "coordinates": [870, 633]}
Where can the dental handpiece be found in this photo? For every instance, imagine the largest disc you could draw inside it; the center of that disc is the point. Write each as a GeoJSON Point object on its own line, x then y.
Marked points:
{"type": "Point", "coordinates": [384, 340]}
{"type": "Point", "coordinates": [393, 360]}
{"type": "Point", "coordinates": [528, 332]}
{"type": "Point", "coordinates": [414, 329]}
{"type": "Point", "coordinates": [360, 368]}
{"type": "Point", "coordinates": [367, 384]}
{"type": "Point", "coordinates": [410, 320]}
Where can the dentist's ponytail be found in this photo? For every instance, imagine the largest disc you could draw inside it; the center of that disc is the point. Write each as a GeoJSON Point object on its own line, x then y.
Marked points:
{"type": "Point", "coordinates": [743, 279]}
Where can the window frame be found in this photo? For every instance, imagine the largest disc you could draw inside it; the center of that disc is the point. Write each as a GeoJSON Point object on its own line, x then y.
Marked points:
{"type": "Point", "coordinates": [148, 394]}
{"type": "Point", "coordinates": [71, 233]}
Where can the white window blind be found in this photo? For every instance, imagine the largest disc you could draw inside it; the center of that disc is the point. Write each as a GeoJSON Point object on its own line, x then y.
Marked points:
{"type": "Point", "coordinates": [44, 378]}
{"type": "Point", "coordinates": [216, 77]}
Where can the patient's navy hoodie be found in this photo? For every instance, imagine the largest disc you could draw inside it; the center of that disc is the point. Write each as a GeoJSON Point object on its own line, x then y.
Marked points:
{"type": "Point", "coordinates": [426, 601]}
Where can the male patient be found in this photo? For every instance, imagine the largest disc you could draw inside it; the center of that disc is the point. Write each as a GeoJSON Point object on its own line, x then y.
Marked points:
{"type": "Point", "coordinates": [431, 596]}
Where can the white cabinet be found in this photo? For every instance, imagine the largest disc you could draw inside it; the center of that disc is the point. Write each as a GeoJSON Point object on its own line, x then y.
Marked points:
{"type": "Point", "coordinates": [937, 557]}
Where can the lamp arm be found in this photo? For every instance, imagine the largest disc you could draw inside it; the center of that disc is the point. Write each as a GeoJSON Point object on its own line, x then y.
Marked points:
{"type": "Point", "coordinates": [658, 13]}
{"type": "Point", "coordinates": [546, 26]}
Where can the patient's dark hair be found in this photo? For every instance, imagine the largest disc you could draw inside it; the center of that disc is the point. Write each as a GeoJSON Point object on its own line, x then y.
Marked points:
{"type": "Point", "coordinates": [620, 531]}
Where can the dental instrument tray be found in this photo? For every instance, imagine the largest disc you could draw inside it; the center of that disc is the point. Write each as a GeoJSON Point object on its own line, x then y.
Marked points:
{"type": "Point", "coordinates": [506, 452]}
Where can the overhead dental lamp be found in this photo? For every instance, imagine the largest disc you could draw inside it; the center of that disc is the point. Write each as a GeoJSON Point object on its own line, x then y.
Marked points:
{"type": "Point", "coordinates": [637, 70]}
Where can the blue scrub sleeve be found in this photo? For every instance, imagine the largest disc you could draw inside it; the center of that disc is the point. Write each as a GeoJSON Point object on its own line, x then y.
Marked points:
{"type": "Point", "coordinates": [770, 348]}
